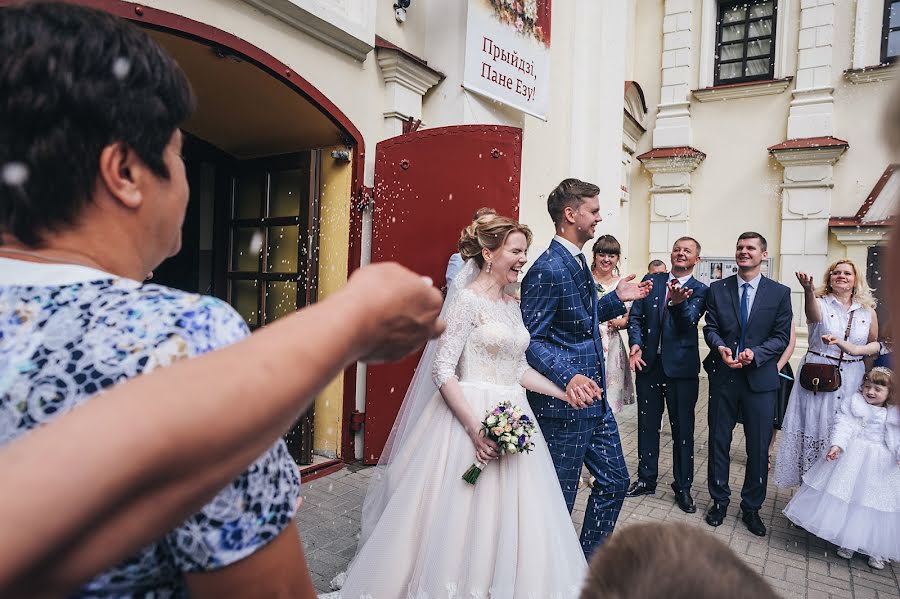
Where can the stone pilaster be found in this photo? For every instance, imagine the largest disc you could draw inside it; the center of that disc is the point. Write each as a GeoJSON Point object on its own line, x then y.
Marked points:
{"type": "Point", "coordinates": [810, 151]}
{"type": "Point", "coordinates": [406, 80]}
{"type": "Point", "coordinates": [670, 195]}
{"type": "Point", "coordinates": [806, 208]}
{"type": "Point", "coordinates": [673, 121]}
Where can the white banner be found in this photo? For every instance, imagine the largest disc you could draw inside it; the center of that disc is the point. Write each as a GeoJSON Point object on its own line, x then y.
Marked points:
{"type": "Point", "coordinates": [508, 53]}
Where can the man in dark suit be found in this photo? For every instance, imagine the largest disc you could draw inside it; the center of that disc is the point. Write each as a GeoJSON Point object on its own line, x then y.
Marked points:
{"type": "Point", "coordinates": [561, 311]}
{"type": "Point", "coordinates": [662, 333]}
{"type": "Point", "coordinates": [748, 327]}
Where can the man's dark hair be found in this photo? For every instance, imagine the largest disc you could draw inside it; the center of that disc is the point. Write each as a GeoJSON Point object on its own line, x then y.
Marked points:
{"type": "Point", "coordinates": [675, 561]}
{"type": "Point", "coordinates": [569, 193]}
{"type": "Point", "coordinates": [754, 235]}
{"type": "Point", "coordinates": [74, 80]}
{"type": "Point", "coordinates": [687, 238]}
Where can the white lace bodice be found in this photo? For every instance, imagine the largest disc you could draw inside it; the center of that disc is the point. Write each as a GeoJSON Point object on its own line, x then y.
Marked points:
{"type": "Point", "coordinates": [485, 341]}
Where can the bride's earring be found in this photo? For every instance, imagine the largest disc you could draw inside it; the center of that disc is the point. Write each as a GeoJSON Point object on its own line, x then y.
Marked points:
{"type": "Point", "coordinates": [490, 265]}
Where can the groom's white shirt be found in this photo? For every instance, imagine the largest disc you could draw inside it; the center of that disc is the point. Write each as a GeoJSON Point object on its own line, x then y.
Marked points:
{"type": "Point", "coordinates": [573, 249]}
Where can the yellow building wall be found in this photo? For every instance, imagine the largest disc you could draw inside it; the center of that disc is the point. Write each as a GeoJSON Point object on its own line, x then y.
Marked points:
{"type": "Point", "coordinates": [334, 244]}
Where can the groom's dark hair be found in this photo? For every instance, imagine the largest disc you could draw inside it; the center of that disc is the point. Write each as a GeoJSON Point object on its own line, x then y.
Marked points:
{"type": "Point", "coordinates": [671, 561]}
{"type": "Point", "coordinates": [569, 193]}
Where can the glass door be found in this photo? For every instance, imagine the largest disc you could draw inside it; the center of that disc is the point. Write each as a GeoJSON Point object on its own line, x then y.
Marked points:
{"type": "Point", "coordinates": [273, 257]}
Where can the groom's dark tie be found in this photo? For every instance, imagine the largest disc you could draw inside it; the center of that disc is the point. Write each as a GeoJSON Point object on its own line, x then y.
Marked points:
{"type": "Point", "coordinates": [584, 267]}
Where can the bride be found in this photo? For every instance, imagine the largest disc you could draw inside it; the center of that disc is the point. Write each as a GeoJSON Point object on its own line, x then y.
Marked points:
{"type": "Point", "coordinates": [428, 534]}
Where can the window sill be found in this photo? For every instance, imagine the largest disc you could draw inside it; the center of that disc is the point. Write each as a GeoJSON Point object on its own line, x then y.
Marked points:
{"type": "Point", "coordinates": [734, 91]}
{"type": "Point", "coordinates": [878, 72]}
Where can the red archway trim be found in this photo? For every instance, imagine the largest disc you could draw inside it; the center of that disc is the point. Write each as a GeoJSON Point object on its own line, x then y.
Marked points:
{"type": "Point", "coordinates": [180, 25]}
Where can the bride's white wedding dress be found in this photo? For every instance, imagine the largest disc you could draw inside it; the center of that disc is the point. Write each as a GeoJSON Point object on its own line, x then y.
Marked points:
{"type": "Point", "coordinates": [426, 533]}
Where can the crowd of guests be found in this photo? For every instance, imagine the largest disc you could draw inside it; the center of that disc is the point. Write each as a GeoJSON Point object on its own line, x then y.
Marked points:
{"type": "Point", "coordinates": [157, 501]}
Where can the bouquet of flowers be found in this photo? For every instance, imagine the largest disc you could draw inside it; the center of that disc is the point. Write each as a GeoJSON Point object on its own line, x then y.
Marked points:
{"type": "Point", "coordinates": [509, 428]}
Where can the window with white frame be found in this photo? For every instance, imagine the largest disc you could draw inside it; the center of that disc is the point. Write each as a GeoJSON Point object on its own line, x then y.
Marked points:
{"type": "Point", "coordinates": [890, 41]}
{"type": "Point", "coordinates": [745, 41]}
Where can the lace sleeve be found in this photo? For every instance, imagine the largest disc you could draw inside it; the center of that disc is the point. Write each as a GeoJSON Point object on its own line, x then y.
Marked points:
{"type": "Point", "coordinates": [460, 318]}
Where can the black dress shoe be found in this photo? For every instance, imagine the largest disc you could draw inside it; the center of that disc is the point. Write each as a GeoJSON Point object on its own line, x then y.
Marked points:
{"type": "Point", "coordinates": [754, 523]}
{"type": "Point", "coordinates": [685, 501]}
{"type": "Point", "coordinates": [716, 513]}
{"type": "Point", "coordinates": [639, 488]}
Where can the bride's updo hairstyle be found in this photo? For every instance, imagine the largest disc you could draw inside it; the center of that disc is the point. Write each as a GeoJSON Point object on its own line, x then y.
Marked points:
{"type": "Point", "coordinates": [488, 232]}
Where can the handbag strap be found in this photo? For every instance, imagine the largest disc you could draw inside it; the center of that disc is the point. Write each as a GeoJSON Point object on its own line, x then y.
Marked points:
{"type": "Point", "coordinates": [846, 335]}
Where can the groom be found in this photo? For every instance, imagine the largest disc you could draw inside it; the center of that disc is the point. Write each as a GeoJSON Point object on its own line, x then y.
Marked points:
{"type": "Point", "coordinates": [562, 313]}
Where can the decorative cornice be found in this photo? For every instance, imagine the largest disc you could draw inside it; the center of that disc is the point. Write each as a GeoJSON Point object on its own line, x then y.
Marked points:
{"type": "Point", "coordinates": [398, 66]}
{"type": "Point", "coordinates": [875, 73]}
{"type": "Point", "coordinates": [305, 19]}
{"type": "Point", "coordinates": [734, 91]}
{"type": "Point", "coordinates": [682, 159]}
{"type": "Point", "coordinates": [866, 236]}
{"type": "Point", "coordinates": [809, 151]}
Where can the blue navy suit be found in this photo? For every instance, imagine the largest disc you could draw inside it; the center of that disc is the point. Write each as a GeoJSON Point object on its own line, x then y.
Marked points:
{"type": "Point", "coordinates": [668, 338]}
{"type": "Point", "coordinates": [562, 313]}
{"type": "Point", "coordinates": [752, 388]}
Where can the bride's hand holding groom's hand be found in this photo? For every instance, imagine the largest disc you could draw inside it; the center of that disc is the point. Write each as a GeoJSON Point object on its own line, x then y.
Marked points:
{"type": "Point", "coordinates": [581, 391]}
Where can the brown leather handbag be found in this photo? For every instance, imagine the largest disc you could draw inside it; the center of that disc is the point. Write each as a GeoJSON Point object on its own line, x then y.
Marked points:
{"type": "Point", "coordinates": [825, 377]}
{"type": "Point", "coordinates": [820, 377]}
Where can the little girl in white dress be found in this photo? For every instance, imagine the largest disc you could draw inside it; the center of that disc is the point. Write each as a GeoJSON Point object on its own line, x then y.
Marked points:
{"type": "Point", "coordinates": [851, 497]}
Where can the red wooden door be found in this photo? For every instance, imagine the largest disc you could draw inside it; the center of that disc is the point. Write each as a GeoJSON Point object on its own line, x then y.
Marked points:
{"type": "Point", "coordinates": [427, 186]}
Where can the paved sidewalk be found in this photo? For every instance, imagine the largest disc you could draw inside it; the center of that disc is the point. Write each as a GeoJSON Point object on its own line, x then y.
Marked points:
{"type": "Point", "coordinates": [795, 563]}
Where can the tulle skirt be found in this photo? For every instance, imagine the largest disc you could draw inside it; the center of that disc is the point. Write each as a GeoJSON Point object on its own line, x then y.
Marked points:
{"type": "Point", "coordinates": [509, 536]}
{"type": "Point", "coordinates": [853, 501]}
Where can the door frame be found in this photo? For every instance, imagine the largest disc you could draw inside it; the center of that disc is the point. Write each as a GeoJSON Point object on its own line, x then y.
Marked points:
{"type": "Point", "coordinates": [191, 29]}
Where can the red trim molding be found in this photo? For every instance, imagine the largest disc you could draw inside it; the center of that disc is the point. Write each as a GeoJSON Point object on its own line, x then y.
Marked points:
{"type": "Point", "coordinates": [311, 473]}
{"type": "Point", "coordinates": [858, 219]}
{"type": "Point", "coordinates": [810, 143]}
{"type": "Point", "coordinates": [639, 90]}
{"type": "Point", "coordinates": [678, 152]}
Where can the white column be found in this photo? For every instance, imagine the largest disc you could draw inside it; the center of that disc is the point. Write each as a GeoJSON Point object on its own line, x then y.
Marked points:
{"type": "Point", "coordinates": [808, 168]}
{"type": "Point", "coordinates": [812, 108]}
{"type": "Point", "coordinates": [673, 121]}
{"type": "Point", "coordinates": [670, 194]}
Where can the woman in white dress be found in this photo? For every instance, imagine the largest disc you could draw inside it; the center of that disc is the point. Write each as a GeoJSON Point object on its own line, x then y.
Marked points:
{"type": "Point", "coordinates": [426, 533]}
{"type": "Point", "coordinates": [843, 299]}
{"type": "Point", "coordinates": [619, 377]}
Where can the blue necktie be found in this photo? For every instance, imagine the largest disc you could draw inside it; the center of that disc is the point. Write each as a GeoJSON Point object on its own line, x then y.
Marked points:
{"type": "Point", "coordinates": [745, 314]}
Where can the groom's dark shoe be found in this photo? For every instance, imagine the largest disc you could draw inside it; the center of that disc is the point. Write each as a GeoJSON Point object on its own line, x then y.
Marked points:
{"type": "Point", "coordinates": [754, 523]}
{"type": "Point", "coordinates": [639, 488]}
{"type": "Point", "coordinates": [685, 501]}
{"type": "Point", "coordinates": [716, 513]}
